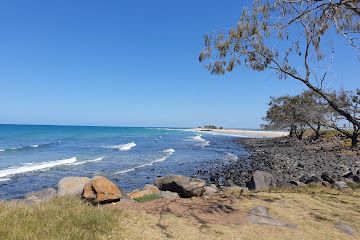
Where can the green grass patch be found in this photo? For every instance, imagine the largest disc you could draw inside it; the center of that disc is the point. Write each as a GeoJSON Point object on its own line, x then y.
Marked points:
{"type": "Point", "coordinates": [61, 218]}
{"type": "Point", "coordinates": [353, 185]}
{"type": "Point", "coordinates": [147, 198]}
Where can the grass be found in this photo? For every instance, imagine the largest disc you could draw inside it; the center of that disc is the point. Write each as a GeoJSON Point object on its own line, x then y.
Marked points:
{"type": "Point", "coordinates": [353, 185]}
{"type": "Point", "coordinates": [313, 208]}
{"type": "Point", "coordinates": [147, 198]}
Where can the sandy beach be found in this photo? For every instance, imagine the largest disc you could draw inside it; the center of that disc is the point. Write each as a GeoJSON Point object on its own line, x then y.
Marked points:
{"type": "Point", "coordinates": [243, 132]}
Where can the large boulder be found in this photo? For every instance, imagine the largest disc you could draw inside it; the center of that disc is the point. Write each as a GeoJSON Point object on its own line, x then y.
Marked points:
{"type": "Point", "coordinates": [261, 180]}
{"type": "Point", "coordinates": [43, 195]}
{"type": "Point", "coordinates": [72, 186]}
{"type": "Point", "coordinates": [184, 186]}
{"type": "Point", "coordinates": [101, 190]}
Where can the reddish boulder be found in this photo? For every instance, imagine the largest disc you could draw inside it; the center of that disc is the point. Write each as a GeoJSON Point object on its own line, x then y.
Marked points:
{"type": "Point", "coordinates": [101, 190]}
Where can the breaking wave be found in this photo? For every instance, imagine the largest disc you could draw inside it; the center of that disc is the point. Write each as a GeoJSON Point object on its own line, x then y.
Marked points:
{"type": "Point", "coordinates": [168, 152]}
{"type": "Point", "coordinates": [30, 167]}
{"type": "Point", "coordinates": [88, 161]}
{"type": "Point", "coordinates": [124, 147]}
{"type": "Point", "coordinates": [199, 140]}
{"type": "Point", "coordinates": [231, 156]}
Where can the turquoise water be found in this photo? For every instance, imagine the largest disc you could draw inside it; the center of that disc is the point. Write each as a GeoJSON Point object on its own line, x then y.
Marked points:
{"type": "Point", "coordinates": [37, 157]}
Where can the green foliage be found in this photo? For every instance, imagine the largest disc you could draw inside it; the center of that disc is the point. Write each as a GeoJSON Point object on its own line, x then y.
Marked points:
{"type": "Point", "coordinates": [147, 198]}
{"type": "Point", "coordinates": [210, 127]}
{"type": "Point", "coordinates": [279, 34]}
{"type": "Point", "coordinates": [251, 40]}
{"type": "Point", "coordinates": [296, 113]}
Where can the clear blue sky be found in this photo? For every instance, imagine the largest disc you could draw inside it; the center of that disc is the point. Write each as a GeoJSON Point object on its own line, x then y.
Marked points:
{"type": "Point", "coordinates": [129, 63]}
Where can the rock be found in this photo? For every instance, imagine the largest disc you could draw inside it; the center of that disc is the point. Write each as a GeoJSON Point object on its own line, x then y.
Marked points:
{"type": "Point", "coordinates": [345, 228]}
{"type": "Point", "coordinates": [168, 194]}
{"type": "Point", "coordinates": [101, 190]}
{"type": "Point", "coordinates": [43, 195]}
{"type": "Point", "coordinates": [340, 184]}
{"type": "Point", "coordinates": [147, 190]}
{"type": "Point", "coordinates": [348, 175]}
{"type": "Point", "coordinates": [138, 194]}
{"type": "Point", "coordinates": [229, 183]}
{"type": "Point", "coordinates": [328, 177]}
{"type": "Point", "coordinates": [356, 178]}
{"type": "Point", "coordinates": [297, 183]}
{"type": "Point", "coordinates": [72, 186]}
{"type": "Point", "coordinates": [307, 180]}
{"type": "Point", "coordinates": [261, 180]}
{"type": "Point", "coordinates": [184, 186]}
{"type": "Point", "coordinates": [152, 188]}
{"type": "Point", "coordinates": [260, 215]}
{"type": "Point", "coordinates": [23, 202]}
{"type": "Point", "coordinates": [210, 190]}
{"type": "Point", "coordinates": [326, 184]}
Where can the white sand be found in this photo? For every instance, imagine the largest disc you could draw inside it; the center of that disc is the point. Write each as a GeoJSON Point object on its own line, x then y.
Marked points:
{"type": "Point", "coordinates": [244, 132]}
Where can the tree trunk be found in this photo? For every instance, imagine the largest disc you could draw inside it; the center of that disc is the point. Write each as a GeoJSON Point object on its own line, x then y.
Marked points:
{"type": "Point", "coordinates": [317, 132]}
{"type": "Point", "coordinates": [332, 104]}
{"type": "Point", "coordinates": [354, 141]}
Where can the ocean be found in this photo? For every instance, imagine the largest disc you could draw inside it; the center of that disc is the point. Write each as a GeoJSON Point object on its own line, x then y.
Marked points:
{"type": "Point", "coordinates": [34, 157]}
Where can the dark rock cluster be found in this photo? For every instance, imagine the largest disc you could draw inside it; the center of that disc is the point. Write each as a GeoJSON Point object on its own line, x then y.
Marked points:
{"type": "Point", "coordinates": [290, 162]}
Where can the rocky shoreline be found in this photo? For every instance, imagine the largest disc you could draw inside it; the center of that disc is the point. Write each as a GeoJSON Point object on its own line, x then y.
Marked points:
{"type": "Point", "coordinates": [291, 162]}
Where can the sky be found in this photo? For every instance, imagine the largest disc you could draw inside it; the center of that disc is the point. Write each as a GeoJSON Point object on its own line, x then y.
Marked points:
{"type": "Point", "coordinates": [130, 63]}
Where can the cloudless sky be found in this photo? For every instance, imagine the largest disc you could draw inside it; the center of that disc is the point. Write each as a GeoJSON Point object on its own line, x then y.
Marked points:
{"type": "Point", "coordinates": [130, 63]}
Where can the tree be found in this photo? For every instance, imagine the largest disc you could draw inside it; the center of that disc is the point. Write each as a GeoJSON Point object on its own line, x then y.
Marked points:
{"type": "Point", "coordinates": [350, 102]}
{"type": "Point", "coordinates": [286, 113]}
{"type": "Point", "coordinates": [296, 113]}
{"type": "Point", "coordinates": [315, 111]}
{"type": "Point", "coordinates": [304, 28]}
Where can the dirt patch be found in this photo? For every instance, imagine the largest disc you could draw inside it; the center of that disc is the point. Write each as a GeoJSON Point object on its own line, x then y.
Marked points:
{"type": "Point", "coordinates": [199, 210]}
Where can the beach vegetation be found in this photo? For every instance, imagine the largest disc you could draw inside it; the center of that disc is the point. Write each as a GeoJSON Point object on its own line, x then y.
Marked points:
{"type": "Point", "coordinates": [309, 111]}
{"type": "Point", "coordinates": [148, 198]}
{"type": "Point", "coordinates": [296, 114]}
{"type": "Point", "coordinates": [292, 39]}
{"type": "Point", "coordinates": [210, 127]}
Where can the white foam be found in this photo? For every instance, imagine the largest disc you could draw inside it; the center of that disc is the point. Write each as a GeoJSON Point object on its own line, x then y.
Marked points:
{"type": "Point", "coordinates": [34, 146]}
{"type": "Point", "coordinates": [169, 152]}
{"type": "Point", "coordinates": [124, 147]}
{"type": "Point", "coordinates": [232, 156]}
{"type": "Point", "coordinates": [29, 167]}
{"type": "Point", "coordinates": [200, 141]}
{"type": "Point", "coordinates": [4, 179]}
{"type": "Point", "coordinates": [88, 161]}
{"type": "Point", "coordinates": [1, 150]}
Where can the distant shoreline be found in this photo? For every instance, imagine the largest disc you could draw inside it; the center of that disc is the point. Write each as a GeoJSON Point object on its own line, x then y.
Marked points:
{"type": "Point", "coordinates": [242, 132]}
